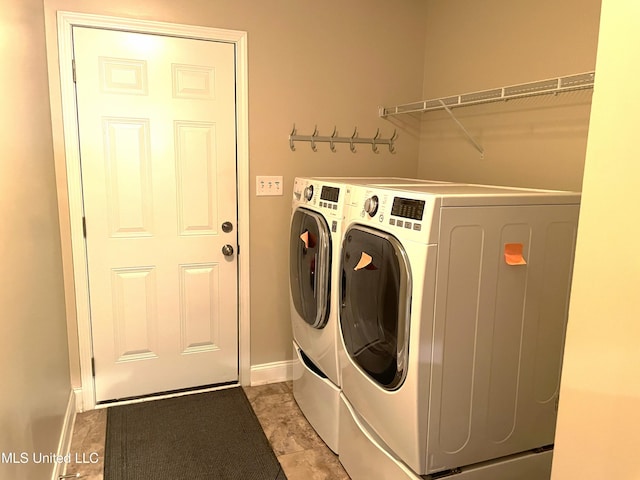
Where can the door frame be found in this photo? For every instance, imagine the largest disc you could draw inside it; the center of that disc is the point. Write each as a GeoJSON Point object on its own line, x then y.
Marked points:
{"type": "Point", "coordinates": [66, 21]}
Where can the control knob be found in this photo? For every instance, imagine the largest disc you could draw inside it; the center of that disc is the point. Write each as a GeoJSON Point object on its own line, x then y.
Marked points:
{"type": "Point", "coordinates": [371, 205]}
{"type": "Point", "coordinates": [308, 192]}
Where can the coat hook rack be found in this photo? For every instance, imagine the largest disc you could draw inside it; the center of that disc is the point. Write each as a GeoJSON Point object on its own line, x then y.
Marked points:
{"type": "Point", "coordinates": [332, 139]}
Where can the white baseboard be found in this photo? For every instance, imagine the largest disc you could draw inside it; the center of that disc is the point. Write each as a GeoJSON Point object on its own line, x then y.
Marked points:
{"type": "Point", "coordinates": [64, 444]}
{"type": "Point", "coordinates": [271, 372]}
{"type": "Point", "coordinates": [79, 402]}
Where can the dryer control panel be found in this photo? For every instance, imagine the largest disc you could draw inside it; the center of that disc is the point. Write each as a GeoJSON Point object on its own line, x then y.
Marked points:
{"type": "Point", "coordinates": [402, 214]}
{"type": "Point", "coordinates": [408, 208]}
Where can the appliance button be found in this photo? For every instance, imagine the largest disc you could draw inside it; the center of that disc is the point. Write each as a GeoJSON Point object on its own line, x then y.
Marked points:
{"type": "Point", "coordinates": [371, 205]}
{"type": "Point", "coordinates": [400, 223]}
{"type": "Point", "coordinates": [407, 225]}
{"type": "Point", "coordinates": [392, 221]}
{"type": "Point", "coordinates": [417, 226]}
{"type": "Point", "coordinates": [308, 192]}
{"type": "Point", "coordinates": [335, 207]}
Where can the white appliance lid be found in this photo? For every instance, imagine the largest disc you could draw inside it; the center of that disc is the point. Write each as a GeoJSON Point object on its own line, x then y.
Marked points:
{"type": "Point", "coordinates": [472, 194]}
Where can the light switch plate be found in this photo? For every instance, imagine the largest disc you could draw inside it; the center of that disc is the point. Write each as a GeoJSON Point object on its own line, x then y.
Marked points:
{"type": "Point", "coordinates": [268, 185]}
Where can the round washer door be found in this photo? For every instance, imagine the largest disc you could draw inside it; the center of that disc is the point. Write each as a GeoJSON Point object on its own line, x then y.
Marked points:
{"type": "Point", "coordinates": [310, 266]}
{"type": "Point", "coordinates": [376, 296]}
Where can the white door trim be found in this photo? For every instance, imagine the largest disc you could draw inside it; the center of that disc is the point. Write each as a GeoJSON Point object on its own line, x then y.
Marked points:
{"type": "Point", "coordinates": [66, 21]}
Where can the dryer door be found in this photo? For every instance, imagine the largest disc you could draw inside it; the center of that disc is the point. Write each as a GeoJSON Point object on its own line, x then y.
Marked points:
{"type": "Point", "coordinates": [310, 266]}
{"type": "Point", "coordinates": [376, 295]}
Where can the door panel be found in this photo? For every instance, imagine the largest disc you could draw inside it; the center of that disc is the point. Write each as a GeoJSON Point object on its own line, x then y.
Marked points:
{"type": "Point", "coordinates": [157, 143]}
{"type": "Point", "coordinates": [196, 185]}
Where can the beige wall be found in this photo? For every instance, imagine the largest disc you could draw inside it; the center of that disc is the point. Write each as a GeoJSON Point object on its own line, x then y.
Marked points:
{"type": "Point", "coordinates": [472, 46]}
{"type": "Point", "coordinates": [329, 63]}
{"type": "Point", "coordinates": [34, 367]}
{"type": "Point", "coordinates": [597, 434]}
{"type": "Point", "coordinates": [334, 65]}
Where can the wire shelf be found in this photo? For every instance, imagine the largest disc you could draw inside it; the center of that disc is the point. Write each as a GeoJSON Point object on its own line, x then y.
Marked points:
{"type": "Point", "coordinates": [568, 83]}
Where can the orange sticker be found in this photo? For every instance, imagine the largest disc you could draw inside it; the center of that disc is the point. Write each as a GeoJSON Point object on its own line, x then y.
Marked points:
{"type": "Point", "coordinates": [364, 262]}
{"type": "Point", "coordinates": [305, 238]}
{"type": "Point", "coordinates": [513, 254]}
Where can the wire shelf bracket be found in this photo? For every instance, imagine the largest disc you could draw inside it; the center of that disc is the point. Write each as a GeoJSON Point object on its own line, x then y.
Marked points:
{"type": "Point", "coordinates": [464, 130]}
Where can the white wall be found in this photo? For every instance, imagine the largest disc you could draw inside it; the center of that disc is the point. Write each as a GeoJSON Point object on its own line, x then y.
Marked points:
{"type": "Point", "coordinates": [34, 366]}
{"type": "Point", "coordinates": [598, 432]}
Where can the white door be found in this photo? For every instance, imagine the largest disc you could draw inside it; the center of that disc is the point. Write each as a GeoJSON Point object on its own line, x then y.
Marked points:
{"type": "Point", "coordinates": [157, 132]}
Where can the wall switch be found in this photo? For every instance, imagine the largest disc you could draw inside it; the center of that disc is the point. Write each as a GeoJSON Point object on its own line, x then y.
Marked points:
{"type": "Point", "coordinates": [271, 185]}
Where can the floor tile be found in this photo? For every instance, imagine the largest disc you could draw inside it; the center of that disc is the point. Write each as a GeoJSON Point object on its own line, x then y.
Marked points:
{"type": "Point", "coordinates": [283, 423]}
{"type": "Point", "coordinates": [265, 390]}
{"type": "Point", "coordinates": [87, 445]}
{"type": "Point", "coordinates": [314, 464]}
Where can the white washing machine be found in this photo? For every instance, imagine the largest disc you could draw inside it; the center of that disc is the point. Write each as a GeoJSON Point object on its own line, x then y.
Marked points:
{"type": "Point", "coordinates": [453, 302]}
{"type": "Point", "coordinates": [315, 237]}
{"type": "Point", "coordinates": [315, 240]}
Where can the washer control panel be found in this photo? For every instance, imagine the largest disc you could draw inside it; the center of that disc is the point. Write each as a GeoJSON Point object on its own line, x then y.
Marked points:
{"type": "Point", "coordinates": [325, 198]}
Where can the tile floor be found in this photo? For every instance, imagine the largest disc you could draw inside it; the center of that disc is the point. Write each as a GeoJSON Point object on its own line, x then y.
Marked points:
{"type": "Point", "coordinates": [302, 454]}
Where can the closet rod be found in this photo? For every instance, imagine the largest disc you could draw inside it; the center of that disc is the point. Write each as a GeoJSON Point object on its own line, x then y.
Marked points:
{"type": "Point", "coordinates": [568, 83]}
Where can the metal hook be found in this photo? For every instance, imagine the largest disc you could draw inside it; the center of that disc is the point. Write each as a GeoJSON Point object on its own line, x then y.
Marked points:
{"type": "Point", "coordinates": [313, 135]}
{"type": "Point", "coordinates": [374, 147]}
{"type": "Point", "coordinates": [293, 132]}
{"type": "Point", "coordinates": [351, 145]}
{"type": "Point", "coordinates": [332, 146]}
{"type": "Point", "coordinates": [392, 147]}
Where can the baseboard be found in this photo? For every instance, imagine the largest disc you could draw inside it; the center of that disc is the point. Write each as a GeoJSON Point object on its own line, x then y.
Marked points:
{"type": "Point", "coordinates": [271, 372]}
{"type": "Point", "coordinates": [64, 444]}
{"type": "Point", "coordinates": [79, 402]}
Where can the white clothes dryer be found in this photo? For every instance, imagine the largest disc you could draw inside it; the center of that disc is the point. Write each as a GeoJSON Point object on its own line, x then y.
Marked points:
{"type": "Point", "coordinates": [453, 307]}
{"type": "Point", "coordinates": [315, 239]}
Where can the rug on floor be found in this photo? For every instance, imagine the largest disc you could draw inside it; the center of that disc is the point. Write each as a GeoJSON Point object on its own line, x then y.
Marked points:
{"type": "Point", "coordinates": [204, 436]}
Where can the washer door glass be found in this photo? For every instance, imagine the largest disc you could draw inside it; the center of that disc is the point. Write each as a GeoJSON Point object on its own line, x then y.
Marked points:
{"type": "Point", "coordinates": [375, 292]}
{"type": "Point", "coordinates": [310, 266]}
